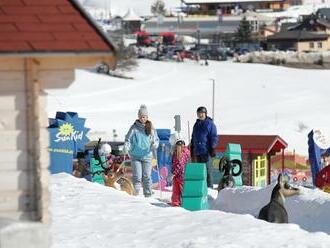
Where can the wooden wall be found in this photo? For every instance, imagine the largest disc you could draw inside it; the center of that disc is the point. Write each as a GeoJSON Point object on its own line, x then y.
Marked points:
{"type": "Point", "coordinates": [15, 189]}
{"type": "Point", "coordinates": [24, 161]}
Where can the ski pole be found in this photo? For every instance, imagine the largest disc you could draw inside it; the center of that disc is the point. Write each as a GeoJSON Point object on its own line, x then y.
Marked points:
{"type": "Point", "coordinates": [158, 171]}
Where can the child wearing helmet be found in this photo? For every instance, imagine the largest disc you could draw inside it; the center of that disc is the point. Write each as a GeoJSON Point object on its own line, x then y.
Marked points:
{"type": "Point", "coordinates": [180, 158]}
{"type": "Point", "coordinates": [105, 149]}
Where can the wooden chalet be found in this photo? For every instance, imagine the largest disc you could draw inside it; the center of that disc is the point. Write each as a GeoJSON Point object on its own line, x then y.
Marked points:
{"type": "Point", "coordinates": [42, 42]}
{"type": "Point", "coordinates": [228, 7]}
{"type": "Point", "coordinates": [311, 34]}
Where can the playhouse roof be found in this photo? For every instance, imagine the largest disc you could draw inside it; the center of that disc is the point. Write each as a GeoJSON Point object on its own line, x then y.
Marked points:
{"type": "Point", "coordinates": [32, 26]}
{"type": "Point", "coordinates": [257, 144]}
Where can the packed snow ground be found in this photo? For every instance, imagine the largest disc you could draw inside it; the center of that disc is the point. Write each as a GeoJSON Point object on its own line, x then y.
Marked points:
{"type": "Point", "coordinates": [249, 99]}
{"type": "Point", "coordinates": [90, 215]}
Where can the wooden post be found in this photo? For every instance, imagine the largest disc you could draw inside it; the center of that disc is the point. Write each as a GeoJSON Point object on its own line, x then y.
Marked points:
{"type": "Point", "coordinates": [33, 137]}
{"type": "Point", "coordinates": [283, 160]}
{"type": "Point", "coordinates": [269, 169]}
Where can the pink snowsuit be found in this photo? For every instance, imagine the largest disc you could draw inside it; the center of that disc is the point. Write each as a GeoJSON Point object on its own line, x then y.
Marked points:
{"type": "Point", "coordinates": [177, 169]}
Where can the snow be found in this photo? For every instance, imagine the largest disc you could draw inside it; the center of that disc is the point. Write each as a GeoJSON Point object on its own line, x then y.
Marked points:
{"type": "Point", "coordinates": [90, 215]}
{"type": "Point", "coordinates": [297, 10]}
{"type": "Point", "coordinates": [249, 99]}
{"type": "Point", "coordinates": [309, 210]}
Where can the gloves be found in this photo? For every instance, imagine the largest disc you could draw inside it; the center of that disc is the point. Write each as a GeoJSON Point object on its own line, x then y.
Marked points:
{"type": "Point", "coordinates": [212, 152]}
{"type": "Point", "coordinates": [125, 149]}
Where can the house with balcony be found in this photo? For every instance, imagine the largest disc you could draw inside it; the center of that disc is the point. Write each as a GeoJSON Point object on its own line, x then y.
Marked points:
{"type": "Point", "coordinates": [232, 7]}
{"type": "Point", "coordinates": [310, 34]}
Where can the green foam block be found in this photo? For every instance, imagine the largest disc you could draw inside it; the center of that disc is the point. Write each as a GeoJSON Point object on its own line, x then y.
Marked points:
{"type": "Point", "coordinates": [194, 188]}
{"type": "Point", "coordinates": [195, 171]}
{"type": "Point", "coordinates": [195, 203]}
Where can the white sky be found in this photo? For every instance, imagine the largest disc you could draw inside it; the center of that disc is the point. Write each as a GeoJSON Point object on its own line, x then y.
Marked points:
{"type": "Point", "coordinates": [249, 99]}
{"type": "Point", "coordinates": [86, 214]}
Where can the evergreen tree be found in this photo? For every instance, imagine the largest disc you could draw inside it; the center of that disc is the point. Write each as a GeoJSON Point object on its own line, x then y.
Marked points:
{"type": "Point", "coordinates": [158, 7]}
{"type": "Point", "coordinates": [243, 33]}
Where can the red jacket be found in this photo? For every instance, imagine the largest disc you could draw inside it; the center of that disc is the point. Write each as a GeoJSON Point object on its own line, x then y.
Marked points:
{"type": "Point", "coordinates": [178, 164]}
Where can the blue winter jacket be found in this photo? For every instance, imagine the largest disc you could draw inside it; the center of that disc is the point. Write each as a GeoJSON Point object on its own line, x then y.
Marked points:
{"type": "Point", "coordinates": [204, 136]}
{"type": "Point", "coordinates": [130, 141]}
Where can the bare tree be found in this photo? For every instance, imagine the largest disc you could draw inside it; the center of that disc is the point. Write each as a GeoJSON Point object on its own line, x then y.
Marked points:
{"type": "Point", "coordinates": [126, 58]}
{"type": "Point", "coordinates": [158, 7]}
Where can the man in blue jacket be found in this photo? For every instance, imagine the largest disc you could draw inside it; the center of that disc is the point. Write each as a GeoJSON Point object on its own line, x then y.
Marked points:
{"type": "Point", "coordinates": [204, 141]}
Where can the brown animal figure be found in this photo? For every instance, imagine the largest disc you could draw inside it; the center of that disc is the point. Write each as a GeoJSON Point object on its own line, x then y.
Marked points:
{"type": "Point", "coordinates": [275, 211]}
{"type": "Point", "coordinates": [117, 180]}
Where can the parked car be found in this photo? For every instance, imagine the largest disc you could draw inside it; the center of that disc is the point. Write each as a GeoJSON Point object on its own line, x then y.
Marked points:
{"type": "Point", "coordinates": [213, 54]}
{"type": "Point", "coordinates": [241, 51]}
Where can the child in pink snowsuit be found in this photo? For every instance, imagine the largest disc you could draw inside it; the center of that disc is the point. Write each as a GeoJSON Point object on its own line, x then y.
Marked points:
{"type": "Point", "coordinates": [179, 160]}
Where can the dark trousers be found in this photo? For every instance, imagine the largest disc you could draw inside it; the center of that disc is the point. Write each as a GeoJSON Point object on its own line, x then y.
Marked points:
{"type": "Point", "coordinates": [208, 161]}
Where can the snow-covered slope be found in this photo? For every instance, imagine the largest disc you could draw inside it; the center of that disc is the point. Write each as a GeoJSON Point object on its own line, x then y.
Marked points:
{"type": "Point", "coordinates": [249, 98]}
{"type": "Point", "coordinates": [91, 215]}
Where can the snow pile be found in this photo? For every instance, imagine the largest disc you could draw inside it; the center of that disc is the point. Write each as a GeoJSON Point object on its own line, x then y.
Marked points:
{"type": "Point", "coordinates": [91, 215]}
{"type": "Point", "coordinates": [310, 210]}
{"type": "Point", "coordinates": [285, 57]}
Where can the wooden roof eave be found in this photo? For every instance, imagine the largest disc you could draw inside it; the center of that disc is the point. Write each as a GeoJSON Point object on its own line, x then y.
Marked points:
{"type": "Point", "coordinates": [57, 54]}
{"type": "Point", "coordinates": [277, 139]}
{"type": "Point", "coordinates": [297, 39]}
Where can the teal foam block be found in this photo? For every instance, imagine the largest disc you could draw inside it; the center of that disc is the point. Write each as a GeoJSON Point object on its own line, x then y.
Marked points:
{"type": "Point", "coordinates": [195, 171]}
{"type": "Point", "coordinates": [194, 188]}
{"type": "Point", "coordinates": [195, 203]}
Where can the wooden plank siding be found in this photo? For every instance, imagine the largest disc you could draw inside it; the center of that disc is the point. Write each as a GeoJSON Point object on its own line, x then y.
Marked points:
{"type": "Point", "coordinates": [24, 157]}
{"type": "Point", "coordinates": [15, 194]}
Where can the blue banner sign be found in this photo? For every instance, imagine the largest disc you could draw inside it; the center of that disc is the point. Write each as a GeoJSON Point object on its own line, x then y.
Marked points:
{"type": "Point", "coordinates": [67, 138]}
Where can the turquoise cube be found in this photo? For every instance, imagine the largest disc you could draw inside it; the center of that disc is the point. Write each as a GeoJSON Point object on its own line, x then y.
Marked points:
{"type": "Point", "coordinates": [195, 203]}
{"type": "Point", "coordinates": [194, 188]}
{"type": "Point", "coordinates": [195, 171]}
{"type": "Point", "coordinates": [233, 151]}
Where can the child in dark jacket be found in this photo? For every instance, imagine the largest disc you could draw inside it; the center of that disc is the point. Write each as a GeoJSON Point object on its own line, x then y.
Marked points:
{"type": "Point", "coordinates": [180, 158]}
